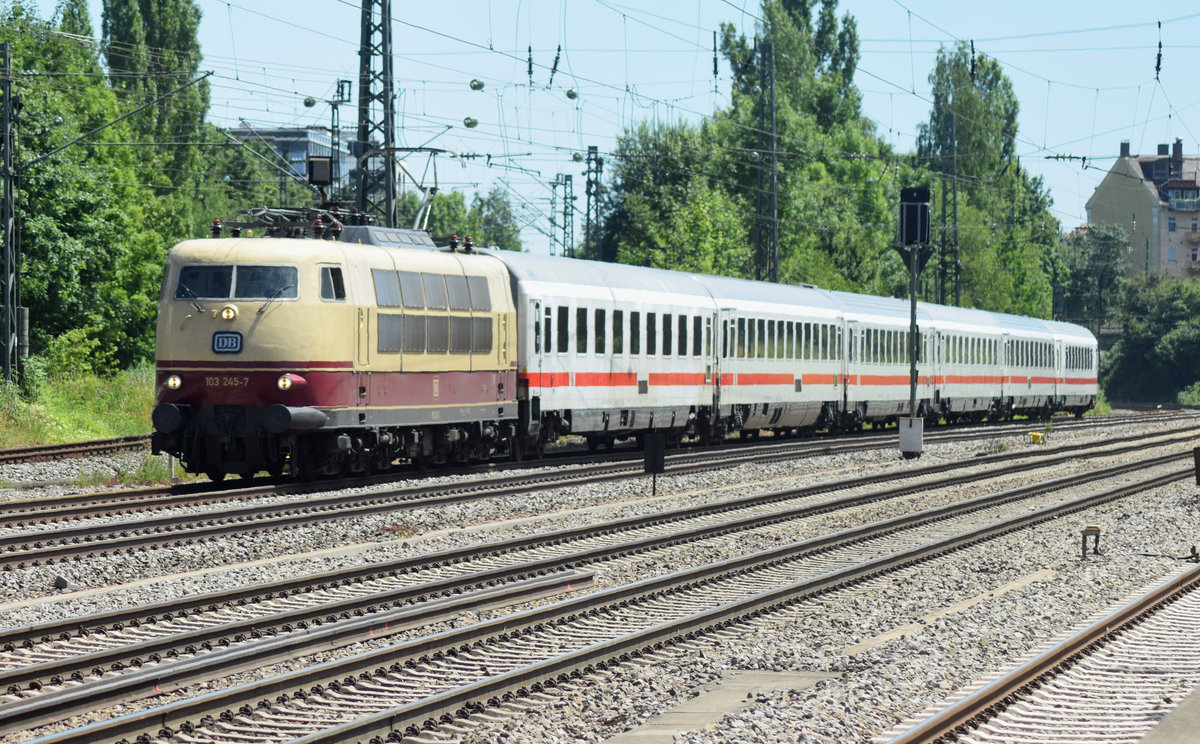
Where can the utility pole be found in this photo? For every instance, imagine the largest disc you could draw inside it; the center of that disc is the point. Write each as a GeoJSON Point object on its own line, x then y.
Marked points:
{"type": "Point", "coordinates": [766, 195]}
{"type": "Point", "coordinates": [954, 157]}
{"type": "Point", "coordinates": [595, 165]}
{"type": "Point", "coordinates": [554, 212]}
{"type": "Point", "coordinates": [335, 129]}
{"type": "Point", "coordinates": [568, 214]}
{"type": "Point", "coordinates": [10, 286]}
{"type": "Point", "coordinates": [374, 147]}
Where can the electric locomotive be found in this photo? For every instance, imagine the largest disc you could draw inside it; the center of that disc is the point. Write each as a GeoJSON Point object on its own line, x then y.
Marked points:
{"type": "Point", "coordinates": [327, 356]}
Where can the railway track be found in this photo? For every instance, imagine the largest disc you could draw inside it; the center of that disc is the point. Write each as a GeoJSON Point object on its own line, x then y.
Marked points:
{"type": "Point", "coordinates": [22, 548]}
{"type": "Point", "coordinates": [1143, 655]}
{"type": "Point", "coordinates": [52, 652]}
{"type": "Point", "coordinates": [94, 448]}
{"type": "Point", "coordinates": [589, 469]}
{"type": "Point", "coordinates": [420, 682]}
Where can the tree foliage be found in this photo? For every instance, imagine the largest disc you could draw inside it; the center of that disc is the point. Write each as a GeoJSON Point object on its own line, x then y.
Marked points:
{"type": "Point", "coordinates": [1158, 354]}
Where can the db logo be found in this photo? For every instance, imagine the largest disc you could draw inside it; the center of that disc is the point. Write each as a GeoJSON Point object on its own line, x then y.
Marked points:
{"type": "Point", "coordinates": [227, 342]}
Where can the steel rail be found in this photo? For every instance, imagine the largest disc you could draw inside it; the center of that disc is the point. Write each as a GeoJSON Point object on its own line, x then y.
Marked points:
{"type": "Point", "coordinates": [62, 629]}
{"type": "Point", "coordinates": [44, 452]}
{"type": "Point", "coordinates": [976, 708]}
{"type": "Point", "coordinates": [54, 671]}
{"type": "Point", "coordinates": [412, 717]}
{"type": "Point", "coordinates": [105, 538]}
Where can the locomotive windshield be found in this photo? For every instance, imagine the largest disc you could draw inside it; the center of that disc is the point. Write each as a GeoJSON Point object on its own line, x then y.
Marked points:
{"type": "Point", "coordinates": [235, 281]}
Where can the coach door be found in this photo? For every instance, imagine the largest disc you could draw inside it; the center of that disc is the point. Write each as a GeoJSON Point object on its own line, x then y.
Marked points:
{"type": "Point", "coordinates": [538, 333]}
{"type": "Point", "coordinates": [721, 351]}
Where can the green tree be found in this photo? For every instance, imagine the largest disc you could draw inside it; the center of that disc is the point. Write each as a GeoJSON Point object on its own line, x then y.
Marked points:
{"type": "Point", "coordinates": [1095, 258]}
{"type": "Point", "coordinates": [1158, 354]}
{"type": "Point", "coordinates": [497, 221]}
{"type": "Point", "coordinates": [1007, 237]}
{"type": "Point", "coordinates": [152, 48]}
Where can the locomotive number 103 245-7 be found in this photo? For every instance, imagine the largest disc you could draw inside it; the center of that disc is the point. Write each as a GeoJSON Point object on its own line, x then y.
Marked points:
{"type": "Point", "coordinates": [225, 381]}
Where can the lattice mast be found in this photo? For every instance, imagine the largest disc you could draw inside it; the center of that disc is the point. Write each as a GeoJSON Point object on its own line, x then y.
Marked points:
{"type": "Point", "coordinates": [374, 147]}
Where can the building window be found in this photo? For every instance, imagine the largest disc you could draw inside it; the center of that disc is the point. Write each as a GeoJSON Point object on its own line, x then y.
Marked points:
{"type": "Point", "coordinates": [1170, 224]}
{"type": "Point", "coordinates": [1195, 224]}
{"type": "Point", "coordinates": [1171, 254]}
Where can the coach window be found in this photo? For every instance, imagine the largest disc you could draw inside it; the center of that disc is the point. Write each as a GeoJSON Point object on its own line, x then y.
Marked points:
{"type": "Point", "coordinates": [825, 341]}
{"type": "Point", "coordinates": [708, 327]}
{"type": "Point", "coordinates": [618, 334]}
{"type": "Point", "coordinates": [547, 327]}
{"type": "Point", "coordinates": [740, 340]}
{"type": "Point", "coordinates": [769, 347]}
{"type": "Point", "coordinates": [332, 287]}
{"type": "Point", "coordinates": [681, 342]}
{"type": "Point", "coordinates": [635, 333]}
{"type": "Point", "coordinates": [581, 330]}
{"type": "Point", "coordinates": [601, 329]}
{"type": "Point", "coordinates": [564, 329]}
{"type": "Point", "coordinates": [666, 334]}
{"type": "Point", "coordinates": [698, 335]}
{"type": "Point", "coordinates": [760, 339]}
{"type": "Point", "coordinates": [651, 334]}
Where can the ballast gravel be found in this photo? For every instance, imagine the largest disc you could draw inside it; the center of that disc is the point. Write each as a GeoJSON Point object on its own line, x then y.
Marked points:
{"type": "Point", "coordinates": [869, 694]}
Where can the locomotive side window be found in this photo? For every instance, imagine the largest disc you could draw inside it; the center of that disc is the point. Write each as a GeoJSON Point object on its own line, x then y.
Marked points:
{"type": "Point", "coordinates": [564, 331]}
{"type": "Point", "coordinates": [435, 291]}
{"type": "Point", "coordinates": [618, 334]}
{"type": "Point", "coordinates": [456, 291]}
{"type": "Point", "coordinates": [332, 286]}
{"type": "Point", "coordinates": [391, 332]}
{"type": "Point", "coordinates": [387, 288]}
{"type": "Point", "coordinates": [481, 335]}
{"type": "Point", "coordinates": [410, 289]}
{"type": "Point", "coordinates": [635, 333]}
{"type": "Point", "coordinates": [460, 335]}
{"type": "Point", "coordinates": [437, 338]}
{"type": "Point", "coordinates": [414, 333]}
{"type": "Point", "coordinates": [481, 299]}
{"type": "Point", "coordinates": [581, 331]}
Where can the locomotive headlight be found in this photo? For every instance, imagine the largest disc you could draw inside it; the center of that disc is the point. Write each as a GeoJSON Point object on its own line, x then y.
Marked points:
{"type": "Point", "coordinates": [229, 312]}
{"type": "Point", "coordinates": [284, 382]}
{"type": "Point", "coordinates": [174, 382]}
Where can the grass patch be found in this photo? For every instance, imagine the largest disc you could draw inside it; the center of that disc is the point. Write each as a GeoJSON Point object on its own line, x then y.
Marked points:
{"type": "Point", "coordinates": [78, 408]}
{"type": "Point", "coordinates": [151, 470]}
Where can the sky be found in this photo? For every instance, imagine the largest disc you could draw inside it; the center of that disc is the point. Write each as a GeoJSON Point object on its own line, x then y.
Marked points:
{"type": "Point", "coordinates": [1084, 74]}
